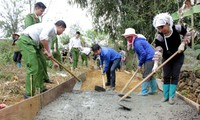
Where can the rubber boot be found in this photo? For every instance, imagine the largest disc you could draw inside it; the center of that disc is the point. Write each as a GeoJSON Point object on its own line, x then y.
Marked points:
{"type": "Point", "coordinates": [18, 65]}
{"type": "Point", "coordinates": [153, 86]}
{"type": "Point", "coordinates": [172, 92]}
{"type": "Point", "coordinates": [145, 86]}
{"type": "Point", "coordinates": [165, 92]}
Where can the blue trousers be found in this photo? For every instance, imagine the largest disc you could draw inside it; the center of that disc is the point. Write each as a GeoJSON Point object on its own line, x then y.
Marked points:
{"type": "Point", "coordinates": [111, 71]}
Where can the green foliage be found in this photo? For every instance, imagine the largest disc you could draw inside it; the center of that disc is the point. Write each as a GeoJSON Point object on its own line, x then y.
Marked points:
{"type": "Point", "coordinates": [6, 52]}
{"type": "Point", "coordinates": [64, 39]}
{"type": "Point", "coordinates": [11, 16]}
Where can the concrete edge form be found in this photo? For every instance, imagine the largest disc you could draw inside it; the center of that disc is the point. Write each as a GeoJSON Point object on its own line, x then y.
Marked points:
{"type": "Point", "coordinates": [28, 109]}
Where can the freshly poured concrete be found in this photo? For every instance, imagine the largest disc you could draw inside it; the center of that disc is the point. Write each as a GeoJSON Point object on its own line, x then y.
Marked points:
{"type": "Point", "coordinates": [103, 106]}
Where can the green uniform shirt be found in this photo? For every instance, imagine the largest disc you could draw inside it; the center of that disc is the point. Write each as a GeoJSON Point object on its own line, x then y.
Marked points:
{"type": "Point", "coordinates": [30, 20]}
{"type": "Point", "coordinates": [54, 40]}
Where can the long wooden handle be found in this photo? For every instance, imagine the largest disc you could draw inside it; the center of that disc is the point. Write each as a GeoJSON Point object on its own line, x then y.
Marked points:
{"type": "Point", "coordinates": [53, 59]}
{"type": "Point", "coordinates": [128, 93]}
{"type": "Point", "coordinates": [104, 86]}
{"type": "Point", "coordinates": [129, 81]}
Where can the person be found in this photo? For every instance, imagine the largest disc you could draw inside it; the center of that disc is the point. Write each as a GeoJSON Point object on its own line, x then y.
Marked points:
{"type": "Point", "coordinates": [75, 47]}
{"type": "Point", "coordinates": [34, 43]}
{"type": "Point", "coordinates": [145, 53]}
{"type": "Point", "coordinates": [123, 54]}
{"type": "Point", "coordinates": [55, 50]}
{"type": "Point", "coordinates": [168, 40]}
{"type": "Point", "coordinates": [64, 55]}
{"type": "Point", "coordinates": [17, 54]}
{"type": "Point", "coordinates": [84, 55]}
{"type": "Point", "coordinates": [33, 18]}
{"type": "Point", "coordinates": [112, 60]}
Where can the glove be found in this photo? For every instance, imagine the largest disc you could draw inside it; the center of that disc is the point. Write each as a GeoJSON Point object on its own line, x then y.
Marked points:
{"type": "Point", "coordinates": [101, 66]}
{"type": "Point", "coordinates": [155, 66]}
{"type": "Point", "coordinates": [181, 47]}
{"type": "Point", "coordinates": [157, 56]}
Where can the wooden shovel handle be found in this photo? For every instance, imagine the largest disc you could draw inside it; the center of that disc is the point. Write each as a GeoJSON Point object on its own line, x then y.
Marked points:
{"type": "Point", "coordinates": [53, 59]}
{"type": "Point", "coordinates": [128, 82]}
{"type": "Point", "coordinates": [128, 93]}
{"type": "Point", "coordinates": [104, 86]}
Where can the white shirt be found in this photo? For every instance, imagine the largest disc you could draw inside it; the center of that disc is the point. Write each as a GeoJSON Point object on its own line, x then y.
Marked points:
{"type": "Point", "coordinates": [74, 43]}
{"type": "Point", "coordinates": [41, 31]}
{"type": "Point", "coordinates": [86, 50]}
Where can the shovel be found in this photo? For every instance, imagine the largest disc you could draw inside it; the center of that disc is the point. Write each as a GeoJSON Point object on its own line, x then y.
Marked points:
{"type": "Point", "coordinates": [149, 76]}
{"type": "Point", "coordinates": [101, 89]}
{"type": "Point", "coordinates": [53, 59]}
{"type": "Point", "coordinates": [121, 93]}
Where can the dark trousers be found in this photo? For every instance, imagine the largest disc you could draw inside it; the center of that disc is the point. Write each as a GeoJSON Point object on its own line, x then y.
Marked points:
{"type": "Point", "coordinates": [171, 70]}
{"type": "Point", "coordinates": [111, 71]}
{"type": "Point", "coordinates": [17, 56]}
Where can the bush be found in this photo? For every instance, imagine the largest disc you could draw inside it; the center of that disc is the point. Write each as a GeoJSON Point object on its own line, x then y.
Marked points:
{"type": "Point", "coordinates": [7, 51]}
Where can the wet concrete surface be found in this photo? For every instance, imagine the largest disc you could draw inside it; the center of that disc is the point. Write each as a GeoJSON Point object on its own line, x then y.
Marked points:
{"type": "Point", "coordinates": [104, 106]}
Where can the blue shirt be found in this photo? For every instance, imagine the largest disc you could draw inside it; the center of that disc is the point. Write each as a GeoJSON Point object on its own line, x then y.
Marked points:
{"type": "Point", "coordinates": [144, 50]}
{"type": "Point", "coordinates": [108, 55]}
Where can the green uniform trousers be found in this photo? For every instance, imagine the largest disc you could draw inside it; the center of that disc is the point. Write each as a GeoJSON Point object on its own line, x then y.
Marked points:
{"type": "Point", "coordinates": [75, 55]}
{"type": "Point", "coordinates": [34, 60]}
{"type": "Point", "coordinates": [84, 59]}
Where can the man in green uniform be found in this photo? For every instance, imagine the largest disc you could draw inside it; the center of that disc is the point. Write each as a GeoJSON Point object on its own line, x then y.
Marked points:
{"type": "Point", "coordinates": [55, 51]}
{"type": "Point", "coordinates": [33, 18]}
{"type": "Point", "coordinates": [75, 47]}
{"type": "Point", "coordinates": [33, 44]}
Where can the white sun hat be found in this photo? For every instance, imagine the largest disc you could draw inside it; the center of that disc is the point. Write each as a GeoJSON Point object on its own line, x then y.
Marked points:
{"type": "Point", "coordinates": [129, 31]}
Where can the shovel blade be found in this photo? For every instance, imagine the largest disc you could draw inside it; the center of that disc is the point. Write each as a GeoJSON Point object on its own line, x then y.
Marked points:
{"type": "Point", "coordinates": [123, 107]}
{"type": "Point", "coordinates": [121, 95]}
{"type": "Point", "coordinates": [99, 89]}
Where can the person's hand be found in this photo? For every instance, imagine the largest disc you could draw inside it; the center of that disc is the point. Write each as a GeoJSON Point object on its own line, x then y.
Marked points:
{"type": "Point", "coordinates": [49, 55]}
{"type": "Point", "coordinates": [140, 69]}
{"type": "Point", "coordinates": [101, 66]}
{"type": "Point", "coordinates": [54, 50]}
{"type": "Point", "coordinates": [155, 66]}
{"type": "Point", "coordinates": [55, 65]}
{"type": "Point", "coordinates": [181, 47]}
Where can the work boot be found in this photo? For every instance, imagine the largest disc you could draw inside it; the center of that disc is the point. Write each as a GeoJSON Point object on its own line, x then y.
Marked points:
{"type": "Point", "coordinates": [153, 86]}
{"type": "Point", "coordinates": [172, 92]}
{"type": "Point", "coordinates": [165, 92]}
{"type": "Point", "coordinates": [48, 81]}
{"type": "Point", "coordinates": [107, 84]}
{"type": "Point", "coordinates": [44, 90]}
{"type": "Point", "coordinates": [18, 65]}
{"type": "Point", "coordinates": [171, 101]}
{"type": "Point", "coordinates": [111, 89]}
{"type": "Point", "coordinates": [26, 96]}
{"type": "Point", "coordinates": [145, 88]}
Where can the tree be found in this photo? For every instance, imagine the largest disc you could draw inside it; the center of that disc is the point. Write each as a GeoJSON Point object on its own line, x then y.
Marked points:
{"type": "Point", "coordinates": [11, 16]}
{"type": "Point", "coordinates": [114, 16]}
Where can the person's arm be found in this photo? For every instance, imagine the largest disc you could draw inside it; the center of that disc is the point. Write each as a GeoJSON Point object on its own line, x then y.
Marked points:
{"type": "Point", "coordinates": [55, 47]}
{"type": "Point", "coordinates": [142, 53]}
{"type": "Point", "coordinates": [44, 39]}
{"type": "Point", "coordinates": [70, 44]}
{"type": "Point", "coordinates": [107, 62]}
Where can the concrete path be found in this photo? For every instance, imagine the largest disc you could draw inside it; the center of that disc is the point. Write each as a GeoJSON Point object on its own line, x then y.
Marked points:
{"type": "Point", "coordinates": [103, 106]}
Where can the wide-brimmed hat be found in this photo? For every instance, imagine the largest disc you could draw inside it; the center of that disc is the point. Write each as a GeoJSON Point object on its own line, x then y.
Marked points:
{"type": "Point", "coordinates": [129, 31]}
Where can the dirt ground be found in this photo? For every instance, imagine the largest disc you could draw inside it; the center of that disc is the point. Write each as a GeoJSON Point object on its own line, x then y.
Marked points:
{"type": "Point", "coordinates": [94, 77]}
